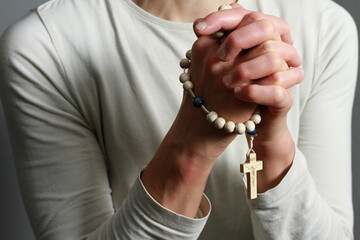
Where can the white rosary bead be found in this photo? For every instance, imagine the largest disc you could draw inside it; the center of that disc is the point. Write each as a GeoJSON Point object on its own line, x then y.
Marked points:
{"type": "Point", "coordinates": [224, 7]}
{"type": "Point", "coordinates": [184, 77]}
{"type": "Point", "coordinates": [188, 54]}
{"type": "Point", "coordinates": [256, 118]}
{"type": "Point", "coordinates": [211, 116]}
{"type": "Point", "coordinates": [219, 123]}
{"type": "Point", "coordinates": [240, 128]}
{"type": "Point", "coordinates": [219, 34]}
{"type": "Point", "coordinates": [250, 126]}
{"type": "Point", "coordinates": [229, 127]}
{"type": "Point", "coordinates": [185, 63]}
{"type": "Point", "coordinates": [188, 85]}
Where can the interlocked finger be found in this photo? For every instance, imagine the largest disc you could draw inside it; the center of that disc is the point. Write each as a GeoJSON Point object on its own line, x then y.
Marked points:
{"type": "Point", "coordinates": [247, 37]}
{"type": "Point", "coordinates": [269, 95]}
{"type": "Point", "coordinates": [257, 68]}
{"type": "Point", "coordinates": [286, 51]}
{"type": "Point", "coordinates": [285, 79]}
{"type": "Point", "coordinates": [230, 19]}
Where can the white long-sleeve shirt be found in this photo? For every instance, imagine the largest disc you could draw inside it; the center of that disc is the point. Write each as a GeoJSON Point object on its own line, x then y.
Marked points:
{"type": "Point", "coordinates": [91, 87]}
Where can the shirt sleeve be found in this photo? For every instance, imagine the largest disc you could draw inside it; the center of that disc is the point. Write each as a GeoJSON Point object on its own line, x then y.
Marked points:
{"type": "Point", "coordinates": [61, 167]}
{"type": "Point", "coordinates": [314, 200]}
{"type": "Point", "coordinates": [150, 220]}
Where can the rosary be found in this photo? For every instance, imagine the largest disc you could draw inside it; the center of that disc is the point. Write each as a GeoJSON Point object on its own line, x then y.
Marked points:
{"type": "Point", "coordinates": [251, 165]}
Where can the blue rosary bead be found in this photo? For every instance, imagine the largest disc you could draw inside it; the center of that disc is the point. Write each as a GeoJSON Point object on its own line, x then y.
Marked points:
{"type": "Point", "coordinates": [252, 132]}
{"type": "Point", "coordinates": [198, 102]}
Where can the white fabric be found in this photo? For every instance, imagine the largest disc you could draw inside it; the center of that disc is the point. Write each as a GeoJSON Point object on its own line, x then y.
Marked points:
{"type": "Point", "coordinates": [91, 87]}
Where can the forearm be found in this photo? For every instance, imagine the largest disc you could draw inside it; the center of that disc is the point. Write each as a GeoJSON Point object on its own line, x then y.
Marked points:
{"type": "Point", "coordinates": [177, 174]}
{"type": "Point", "coordinates": [176, 179]}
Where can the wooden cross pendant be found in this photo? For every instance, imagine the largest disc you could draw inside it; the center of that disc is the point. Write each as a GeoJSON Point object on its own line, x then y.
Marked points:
{"type": "Point", "coordinates": [250, 167]}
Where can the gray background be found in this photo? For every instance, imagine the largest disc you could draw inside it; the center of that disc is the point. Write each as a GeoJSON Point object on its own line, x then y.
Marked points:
{"type": "Point", "coordinates": [14, 224]}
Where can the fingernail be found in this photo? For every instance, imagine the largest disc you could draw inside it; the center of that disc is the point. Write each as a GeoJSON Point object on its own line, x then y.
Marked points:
{"type": "Point", "coordinates": [201, 25]}
{"type": "Point", "coordinates": [228, 80]}
{"type": "Point", "coordinates": [221, 53]}
{"type": "Point", "coordinates": [302, 72]}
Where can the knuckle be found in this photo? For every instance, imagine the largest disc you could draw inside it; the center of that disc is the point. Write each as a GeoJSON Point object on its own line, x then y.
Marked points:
{"type": "Point", "coordinates": [233, 40]}
{"type": "Point", "coordinates": [294, 55]}
{"type": "Point", "coordinates": [279, 95]}
{"type": "Point", "coordinates": [250, 93]}
{"type": "Point", "coordinates": [214, 69]}
{"type": "Point", "coordinates": [243, 72]}
{"type": "Point", "coordinates": [267, 27]}
{"type": "Point", "coordinates": [275, 78]}
{"type": "Point", "coordinates": [267, 46]}
{"type": "Point", "coordinates": [274, 60]}
{"type": "Point", "coordinates": [300, 76]}
{"type": "Point", "coordinates": [255, 16]}
{"type": "Point", "coordinates": [285, 25]}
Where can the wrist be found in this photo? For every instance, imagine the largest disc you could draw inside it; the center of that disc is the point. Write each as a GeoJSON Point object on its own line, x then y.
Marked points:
{"type": "Point", "coordinates": [277, 155]}
{"type": "Point", "coordinates": [176, 178]}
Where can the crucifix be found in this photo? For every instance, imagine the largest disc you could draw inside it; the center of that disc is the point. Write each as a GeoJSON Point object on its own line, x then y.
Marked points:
{"type": "Point", "coordinates": [250, 168]}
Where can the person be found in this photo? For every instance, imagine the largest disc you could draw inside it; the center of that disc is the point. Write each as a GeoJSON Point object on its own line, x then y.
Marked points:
{"type": "Point", "coordinates": [108, 145]}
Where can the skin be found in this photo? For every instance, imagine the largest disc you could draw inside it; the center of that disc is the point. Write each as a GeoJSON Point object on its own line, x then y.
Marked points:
{"type": "Point", "coordinates": [250, 68]}
{"type": "Point", "coordinates": [180, 10]}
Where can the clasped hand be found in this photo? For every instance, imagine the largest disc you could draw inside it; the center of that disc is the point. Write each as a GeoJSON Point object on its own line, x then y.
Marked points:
{"type": "Point", "coordinates": [257, 64]}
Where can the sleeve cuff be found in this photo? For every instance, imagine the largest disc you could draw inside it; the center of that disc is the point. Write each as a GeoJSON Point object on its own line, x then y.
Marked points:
{"type": "Point", "coordinates": [163, 222]}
